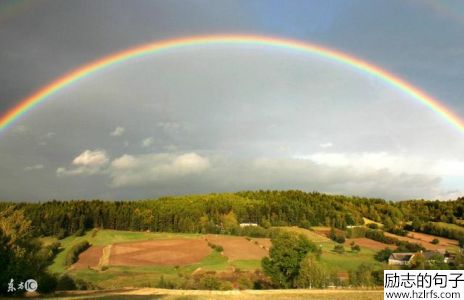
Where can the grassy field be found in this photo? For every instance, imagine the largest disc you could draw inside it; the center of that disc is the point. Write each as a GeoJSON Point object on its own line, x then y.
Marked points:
{"type": "Point", "coordinates": [450, 226]}
{"type": "Point", "coordinates": [112, 277]}
{"type": "Point", "coordinates": [335, 261]}
{"type": "Point", "coordinates": [369, 221]}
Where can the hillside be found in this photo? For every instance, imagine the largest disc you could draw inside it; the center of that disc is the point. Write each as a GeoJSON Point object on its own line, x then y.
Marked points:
{"type": "Point", "coordinates": [203, 213]}
{"type": "Point", "coordinates": [226, 241]}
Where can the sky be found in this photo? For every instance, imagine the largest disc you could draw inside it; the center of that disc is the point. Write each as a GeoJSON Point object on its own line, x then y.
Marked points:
{"type": "Point", "coordinates": [225, 118]}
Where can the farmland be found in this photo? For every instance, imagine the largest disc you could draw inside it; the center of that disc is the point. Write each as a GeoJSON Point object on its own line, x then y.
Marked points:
{"type": "Point", "coordinates": [140, 259]}
{"type": "Point", "coordinates": [423, 242]}
{"type": "Point", "coordinates": [205, 244]}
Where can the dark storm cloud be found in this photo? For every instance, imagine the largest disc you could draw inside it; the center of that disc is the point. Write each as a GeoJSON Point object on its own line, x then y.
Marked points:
{"type": "Point", "coordinates": [237, 131]}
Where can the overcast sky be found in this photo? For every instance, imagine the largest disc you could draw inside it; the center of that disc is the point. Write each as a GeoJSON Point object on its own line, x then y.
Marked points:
{"type": "Point", "coordinates": [223, 118]}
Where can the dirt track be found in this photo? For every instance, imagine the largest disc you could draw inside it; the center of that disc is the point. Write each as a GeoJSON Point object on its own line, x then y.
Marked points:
{"type": "Point", "coordinates": [152, 293]}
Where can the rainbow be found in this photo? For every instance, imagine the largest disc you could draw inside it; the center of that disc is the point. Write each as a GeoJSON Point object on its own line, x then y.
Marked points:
{"type": "Point", "coordinates": [42, 94]}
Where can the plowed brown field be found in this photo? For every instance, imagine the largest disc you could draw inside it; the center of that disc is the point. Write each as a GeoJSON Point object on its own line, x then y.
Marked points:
{"type": "Point", "coordinates": [429, 238]}
{"type": "Point", "coordinates": [425, 244]}
{"type": "Point", "coordinates": [159, 252]}
{"type": "Point", "coordinates": [236, 248]}
{"type": "Point", "coordinates": [89, 258]}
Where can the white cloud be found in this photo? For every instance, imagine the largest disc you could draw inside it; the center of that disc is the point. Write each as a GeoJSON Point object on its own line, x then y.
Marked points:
{"type": "Point", "coordinates": [140, 170]}
{"type": "Point", "coordinates": [91, 158]}
{"type": "Point", "coordinates": [89, 162]}
{"type": "Point", "coordinates": [118, 131]}
{"type": "Point", "coordinates": [124, 162]}
{"type": "Point", "coordinates": [395, 163]}
{"type": "Point", "coordinates": [326, 145]}
{"type": "Point", "coordinates": [148, 142]}
{"type": "Point", "coordinates": [34, 167]}
{"type": "Point", "coordinates": [343, 179]}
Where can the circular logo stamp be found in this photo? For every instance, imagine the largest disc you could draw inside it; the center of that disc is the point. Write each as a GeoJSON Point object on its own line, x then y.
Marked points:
{"type": "Point", "coordinates": [30, 285]}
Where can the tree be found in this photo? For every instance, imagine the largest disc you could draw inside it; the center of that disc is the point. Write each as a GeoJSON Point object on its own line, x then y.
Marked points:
{"type": "Point", "coordinates": [20, 257]}
{"type": "Point", "coordinates": [311, 274]}
{"type": "Point", "coordinates": [229, 222]}
{"type": "Point", "coordinates": [362, 276]}
{"type": "Point", "coordinates": [418, 262]}
{"type": "Point", "coordinates": [383, 255]}
{"type": "Point", "coordinates": [285, 256]}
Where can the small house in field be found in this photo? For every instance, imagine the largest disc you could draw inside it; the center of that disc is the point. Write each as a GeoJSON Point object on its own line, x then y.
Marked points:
{"type": "Point", "coordinates": [400, 259]}
{"type": "Point", "coordinates": [248, 224]}
{"type": "Point", "coordinates": [449, 257]}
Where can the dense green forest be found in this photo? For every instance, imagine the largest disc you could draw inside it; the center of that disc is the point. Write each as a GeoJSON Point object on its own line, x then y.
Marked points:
{"type": "Point", "coordinates": [221, 212]}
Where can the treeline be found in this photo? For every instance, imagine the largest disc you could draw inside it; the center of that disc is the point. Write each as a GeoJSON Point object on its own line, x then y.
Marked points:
{"type": "Point", "coordinates": [222, 213]}
{"type": "Point", "coordinates": [74, 252]}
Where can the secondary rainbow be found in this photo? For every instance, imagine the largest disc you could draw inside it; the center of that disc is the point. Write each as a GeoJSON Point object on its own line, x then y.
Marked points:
{"type": "Point", "coordinates": [42, 94]}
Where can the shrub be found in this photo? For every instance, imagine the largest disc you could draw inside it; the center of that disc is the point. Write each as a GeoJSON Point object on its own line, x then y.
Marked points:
{"type": "Point", "coordinates": [61, 234]}
{"type": "Point", "coordinates": [254, 231]}
{"type": "Point", "coordinates": [46, 283]}
{"type": "Point", "coordinates": [244, 282]}
{"type": "Point", "coordinates": [355, 248]}
{"type": "Point", "coordinates": [74, 252]}
{"type": "Point", "coordinates": [339, 249]}
{"type": "Point", "coordinates": [215, 247]}
{"type": "Point", "coordinates": [398, 231]}
{"type": "Point", "coordinates": [209, 282]}
{"type": "Point", "coordinates": [226, 286]}
{"type": "Point", "coordinates": [435, 241]}
{"type": "Point", "coordinates": [80, 232]}
{"type": "Point", "coordinates": [65, 283]}
{"type": "Point", "coordinates": [373, 226]}
{"type": "Point", "coordinates": [337, 237]}
{"type": "Point", "coordinates": [356, 232]}
{"type": "Point", "coordinates": [383, 255]}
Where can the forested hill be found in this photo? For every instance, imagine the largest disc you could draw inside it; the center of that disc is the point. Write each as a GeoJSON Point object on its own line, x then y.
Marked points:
{"type": "Point", "coordinates": [209, 213]}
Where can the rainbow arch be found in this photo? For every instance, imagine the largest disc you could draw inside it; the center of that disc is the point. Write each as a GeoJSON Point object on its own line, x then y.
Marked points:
{"type": "Point", "coordinates": [42, 94]}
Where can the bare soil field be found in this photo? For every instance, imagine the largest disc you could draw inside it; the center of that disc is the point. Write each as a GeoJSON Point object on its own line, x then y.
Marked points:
{"type": "Point", "coordinates": [89, 258]}
{"type": "Point", "coordinates": [425, 244]}
{"type": "Point", "coordinates": [159, 252]}
{"type": "Point", "coordinates": [429, 238]}
{"type": "Point", "coordinates": [368, 243]}
{"type": "Point", "coordinates": [264, 242]}
{"type": "Point", "coordinates": [236, 248]}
